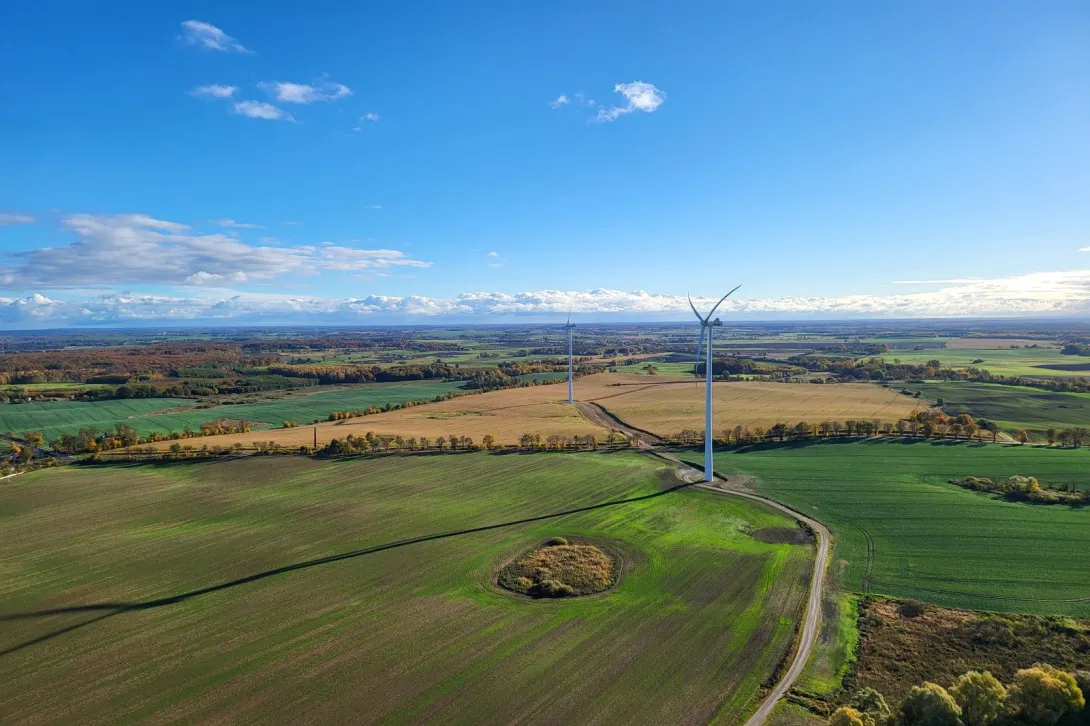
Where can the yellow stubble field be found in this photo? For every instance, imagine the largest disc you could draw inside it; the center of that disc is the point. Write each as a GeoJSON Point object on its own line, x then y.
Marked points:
{"type": "Point", "coordinates": [662, 405]}
{"type": "Point", "coordinates": [667, 408]}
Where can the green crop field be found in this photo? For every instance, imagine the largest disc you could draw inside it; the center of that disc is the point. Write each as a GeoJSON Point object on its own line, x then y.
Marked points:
{"type": "Point", "coordinates": [902, 530]}
{"type": "Point", "coordinates": [1006, 362]}
{"type": "Point", "coordinates": [1012, 407]}
{"type": "Point", "coordinates": [327, 614]}
{"type": "Point", "coordinates": [53, 418]}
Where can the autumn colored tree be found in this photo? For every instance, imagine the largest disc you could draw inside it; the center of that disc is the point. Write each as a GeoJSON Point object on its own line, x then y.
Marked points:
{"type": "Point", "coordinates": [929, 705]}
{"type": "Point", "coordinates": [980, 696]}
{"type": "Point", "coordinates": [848, 716]}
{"type": "Point", "coordinates": [872, 705]}
{"type": "Point", "coordinates": [1042, 695]}
{"type": "Point", "coordinates": [488, 441]}
{"type": "Point", "coordinates": [1023, 436]}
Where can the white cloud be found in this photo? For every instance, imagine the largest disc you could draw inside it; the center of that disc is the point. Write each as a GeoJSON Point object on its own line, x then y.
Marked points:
{"type": "Point", "coordinates": [639, 96]}
{"type": "Point", "coordinates": [372, 206]}
{"type": "Point", "coordinates": [371, 116]}
{"type": "Point", "coordinates": [206, 35]}
{"type": "Point", "coordinates": [289, 222]}
{"type": "Point", "coordinates": [259, 109]}
{"type": "Point", "coordinates": [128, 249]}
{"type": "Point", "coordinates": [493, 254]}
{"type": "Point", "coordinates": [213, 90]}
{"type": "Point", "coordinates": [1084, 249]}
{"type": "Point", "coordinates": [236, 225]}
{"type": "Point", "coordinates": [955, 281]}
{"type": "Point", "coordinates": [6, 219]}
{"type": "Point", "coordinates": [287, 92]}
{"type": "Point", "coordinates": [561, 100]}
{"type": "Point", "coordinates": [208, 297]}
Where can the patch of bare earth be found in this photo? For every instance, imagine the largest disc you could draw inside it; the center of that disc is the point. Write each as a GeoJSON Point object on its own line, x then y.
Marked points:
{"type": "Point", "coordinates": [783, 535]}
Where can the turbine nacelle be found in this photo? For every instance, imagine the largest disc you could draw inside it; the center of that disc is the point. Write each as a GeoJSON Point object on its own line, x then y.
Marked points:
{"type": "Point", "coordinates": [706, 325]}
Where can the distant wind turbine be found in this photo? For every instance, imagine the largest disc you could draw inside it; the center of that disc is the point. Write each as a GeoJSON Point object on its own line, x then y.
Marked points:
{"type": "Point", "coordinates": [706, 324]}
{"type": "Point", "coordinates": [570, 326]}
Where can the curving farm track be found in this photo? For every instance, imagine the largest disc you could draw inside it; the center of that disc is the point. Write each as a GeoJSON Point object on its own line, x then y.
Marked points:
{"type": "Point", "coordinates": [811, 626]}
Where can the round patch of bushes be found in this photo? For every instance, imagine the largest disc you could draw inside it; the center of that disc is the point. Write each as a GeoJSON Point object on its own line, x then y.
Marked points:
{"type": "Point", "coordinates": [561, 568]}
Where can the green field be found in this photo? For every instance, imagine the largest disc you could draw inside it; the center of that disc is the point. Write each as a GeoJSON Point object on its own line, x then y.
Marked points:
{"type": "Point", "coordinates": [661, 369]}
{"type": "Point", "coordinates": [1012, 407]}
{"type": "Point", "coordinates": [902, 530]}
{"type": "Point", "coordinates": [1006, 362]}
{"type": "Point", "coordinates": [53, 418]}
{"type": "Point", "coordinates": [412, 632]}
{"type": "Point", "coordinates": [19, 387]}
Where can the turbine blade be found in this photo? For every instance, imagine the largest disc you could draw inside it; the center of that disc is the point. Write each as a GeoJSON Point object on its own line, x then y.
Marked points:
{"type": "Point", "coordinates": [696, 314]}
{"type": "Point", "coordinates": [721, 302]}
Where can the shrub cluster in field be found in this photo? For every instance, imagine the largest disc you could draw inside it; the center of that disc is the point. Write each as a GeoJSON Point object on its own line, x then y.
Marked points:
{"type": "Point", "coordinates": [1037, 696]}
{"type": "Point", "coordinates": [560, 569]}
{"type": "Point", "coordinates": [1026, 489]}
{"type": "Point", "coordinates": [905, 643]}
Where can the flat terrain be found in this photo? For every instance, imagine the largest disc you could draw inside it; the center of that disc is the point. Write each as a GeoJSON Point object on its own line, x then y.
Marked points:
{"type": "Point", "coordinates": [1012, 407]}
{"type": "Point", "coordinates": [1034, 362]}
{"type": "Point", "coordinates": [662, 405]}
{"type": "Point", "coordinates": [669, 407]}
{"type": "Point", "coordinates": [163, 415]}
{"type": "Point", "coordinates": [902, 530]}
{"type": "Point", "coordinates": [506, 415]}
{"type": "Point", "coordinates": [384, 630]}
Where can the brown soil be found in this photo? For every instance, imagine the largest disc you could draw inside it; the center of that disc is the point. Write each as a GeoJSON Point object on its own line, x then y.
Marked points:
{"type": "Point", "coordinates": [783, 535]}
{"type": "Point", "coordinates": [561, 569]}
{"type": "Point", "coordinates": [898, 651]}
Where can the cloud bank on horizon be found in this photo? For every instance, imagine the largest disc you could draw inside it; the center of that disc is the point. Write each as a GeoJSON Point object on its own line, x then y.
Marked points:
{"type": "Point", "coordinates": [204, 271]}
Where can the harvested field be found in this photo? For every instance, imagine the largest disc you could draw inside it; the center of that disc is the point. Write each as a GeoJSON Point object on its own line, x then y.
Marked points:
{"type": "Point", "coordinates": [506, 415]}
{"type": "Point", "coordinates": [657, 404]}
{"type": "Point", "coordinates": [669, 407]}
{"type": "Point", "coordinates": [336, 606]}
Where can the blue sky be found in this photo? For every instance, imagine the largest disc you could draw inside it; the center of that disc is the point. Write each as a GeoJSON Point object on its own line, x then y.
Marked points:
{"type": "Point", "coordinates": [371, 163]}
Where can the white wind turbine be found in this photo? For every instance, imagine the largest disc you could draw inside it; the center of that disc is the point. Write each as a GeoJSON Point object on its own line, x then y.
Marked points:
{"type": "Point", "coordinates": [706, 324]}
{"type": "Point", "coordinates": [570, 326]}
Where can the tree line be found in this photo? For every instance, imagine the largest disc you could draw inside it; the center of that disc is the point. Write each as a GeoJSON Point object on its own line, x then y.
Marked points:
{"type": "Point", "coordinates": [929, 423]}
{"type": "Point", "coordinates": [1038, 696]}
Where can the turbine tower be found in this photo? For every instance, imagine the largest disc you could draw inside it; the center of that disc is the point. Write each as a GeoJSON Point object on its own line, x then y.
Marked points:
{"type": "Point", "coordinates": [570, 326]}
{"type": "Point", "coordinates": [706, 324]}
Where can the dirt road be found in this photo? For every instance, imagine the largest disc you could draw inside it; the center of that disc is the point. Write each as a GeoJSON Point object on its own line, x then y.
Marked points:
{"type": "Point", "coordinates": [598, 415]}
{"type": "Point", "coordinates": [811, 626]}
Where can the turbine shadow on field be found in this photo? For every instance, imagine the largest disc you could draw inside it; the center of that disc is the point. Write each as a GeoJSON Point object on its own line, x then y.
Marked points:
{"type": "Point", "coordinates": [112, 609]}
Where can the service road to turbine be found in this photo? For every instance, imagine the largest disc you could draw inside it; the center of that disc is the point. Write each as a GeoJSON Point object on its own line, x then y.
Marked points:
{"type": "Point", "coordinates": [812, 624]}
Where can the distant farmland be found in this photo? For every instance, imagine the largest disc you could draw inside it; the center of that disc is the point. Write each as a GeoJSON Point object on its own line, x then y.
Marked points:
{"type": "Point", "coordinates": [901, 529]}
{"type": "Point", "coordinates": [54, 418]}
{"type": "Point", "coordinates": [702, 616]}
{"type": "Point", "coordinates": [657, 404]}
{"type": "Point", "coordinates": [1012, 407]}
{"type": "Point", "coordinates": [669, 407]}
